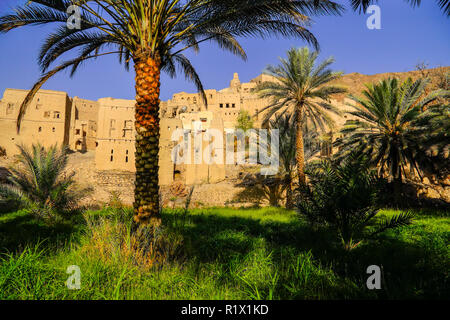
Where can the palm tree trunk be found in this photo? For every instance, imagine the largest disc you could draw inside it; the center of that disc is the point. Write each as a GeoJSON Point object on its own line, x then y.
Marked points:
{"type": "Point", "coordinates": [398, 186]}
{"type": "Point", "coordinates": [300, 152]}
{"type": "Point", "coordinates": [397, 177]}
{"type": "Point", "coordinates": [146, 202]}
{"type": "Point", "coordinates": [289, 200]}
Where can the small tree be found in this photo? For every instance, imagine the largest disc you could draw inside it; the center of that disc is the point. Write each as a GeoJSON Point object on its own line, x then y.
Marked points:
{"type": "Point", "coordinates": [40, 182]}
{"type": "Point", "coordinates": [423, 68]}
{"type": "Point", "coordinates": [244, 121]}
{"type": "Point", "coordinates": [342, 196]}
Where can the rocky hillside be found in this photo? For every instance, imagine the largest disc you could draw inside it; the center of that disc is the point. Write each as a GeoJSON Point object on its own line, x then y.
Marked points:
{"type": "Point", "coordinates": [355, 82]}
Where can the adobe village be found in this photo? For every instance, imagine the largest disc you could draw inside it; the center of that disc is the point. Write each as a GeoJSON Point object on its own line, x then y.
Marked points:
{"type": "Point", "coordinates": [101, 134]}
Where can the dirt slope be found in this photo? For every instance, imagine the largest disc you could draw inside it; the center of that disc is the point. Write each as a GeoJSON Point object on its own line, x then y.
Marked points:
{"type": "Point", "coordinates": [355, 82]}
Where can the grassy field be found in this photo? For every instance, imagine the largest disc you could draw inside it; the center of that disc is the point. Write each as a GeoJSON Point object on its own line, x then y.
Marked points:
{"type": "Point", "coordinates": [220, 253]}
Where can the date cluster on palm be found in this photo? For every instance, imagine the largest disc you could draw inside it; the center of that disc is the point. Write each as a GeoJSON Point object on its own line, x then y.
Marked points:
{"type": "Point", "coordinates": [146, 204]}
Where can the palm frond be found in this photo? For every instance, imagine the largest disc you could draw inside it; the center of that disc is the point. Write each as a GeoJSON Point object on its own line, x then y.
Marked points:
{"type": "Point", "coordinates": [400, 220]}
{"type": "Point", "coordinates": [362, 5]}
{"type": "Point", "coordinates": [391, 123]}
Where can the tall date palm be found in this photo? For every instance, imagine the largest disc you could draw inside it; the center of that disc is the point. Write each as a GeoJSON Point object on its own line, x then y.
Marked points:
{"type": "Point", "coordinates": [153, 35]}
{"type": "Point", "coordinates": [302, 87]}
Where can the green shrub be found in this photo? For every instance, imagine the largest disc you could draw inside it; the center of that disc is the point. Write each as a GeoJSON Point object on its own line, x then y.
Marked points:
{"type": "Point", "coordinates": [40, 183]}
{"type": "Point", "coordinates": [343, 196]}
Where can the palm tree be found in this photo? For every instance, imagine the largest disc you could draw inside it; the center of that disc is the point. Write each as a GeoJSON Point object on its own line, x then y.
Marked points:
{"type": "Point", "coordinates": [40, 182]}
{"type": "Point", "coordinates": [153, 34]}
{"type": "Point", "coordinates": [391, 126]}
{"type": "Point", "coordinates": [362, 5]}
{"type": "Point", "coordinates": [287, 150]}
{"type": "Point", "coordinates": [299, 86]}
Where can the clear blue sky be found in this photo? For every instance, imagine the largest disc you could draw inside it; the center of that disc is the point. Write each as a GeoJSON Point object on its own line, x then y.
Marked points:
{"type": "Point", "coordinates": [408, 36]}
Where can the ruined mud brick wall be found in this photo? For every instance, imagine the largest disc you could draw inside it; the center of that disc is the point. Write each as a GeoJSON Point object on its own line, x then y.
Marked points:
{"type": "Point", "coordinates": [118, 181]}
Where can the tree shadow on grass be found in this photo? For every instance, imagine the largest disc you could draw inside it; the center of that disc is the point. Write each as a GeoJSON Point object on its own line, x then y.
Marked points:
{"type": "Point", "coordinates": [19, 230]}
{"type": "Point", "coordinates": [410, 270]}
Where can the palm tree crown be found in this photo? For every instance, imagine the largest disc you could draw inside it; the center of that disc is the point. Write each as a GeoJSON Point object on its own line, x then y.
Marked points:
{"type": "Point", "coordinates": [392, 126]}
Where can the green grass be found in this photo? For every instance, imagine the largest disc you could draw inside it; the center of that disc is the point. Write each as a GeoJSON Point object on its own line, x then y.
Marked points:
{"type": "Point", "coordinates": [222, 253]}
